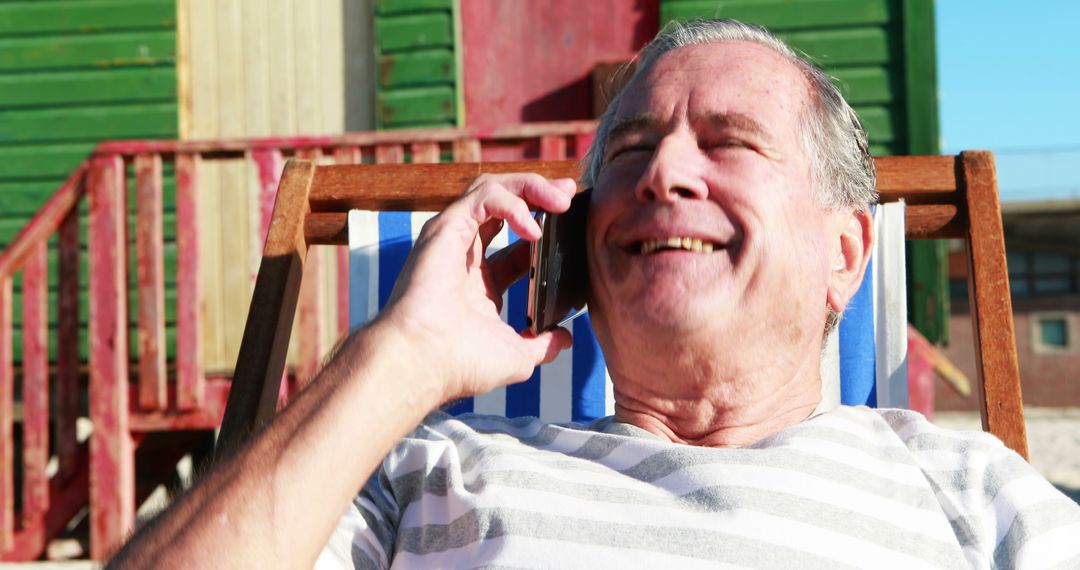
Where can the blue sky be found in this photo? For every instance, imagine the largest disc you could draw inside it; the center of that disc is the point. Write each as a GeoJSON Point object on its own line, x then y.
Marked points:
{"type": "Point", "coordinates": [1009, 81]}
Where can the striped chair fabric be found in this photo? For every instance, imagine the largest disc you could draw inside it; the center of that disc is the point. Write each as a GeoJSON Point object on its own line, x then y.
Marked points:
{"type": "Point", "coordinates": [864, 358]}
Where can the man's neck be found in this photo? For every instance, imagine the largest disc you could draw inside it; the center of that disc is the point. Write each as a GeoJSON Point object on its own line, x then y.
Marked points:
{"type": "Point", "coordinates": [722, 430]}
{"type": "Point", "coordinates": [724, 411]}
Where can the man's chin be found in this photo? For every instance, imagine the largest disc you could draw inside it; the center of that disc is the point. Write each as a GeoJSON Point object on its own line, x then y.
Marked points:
{"type": "Point", "coordinates": [674, 317]}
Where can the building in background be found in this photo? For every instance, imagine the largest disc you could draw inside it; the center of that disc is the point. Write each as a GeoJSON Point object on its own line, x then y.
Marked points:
{"type": "Point", "coordinates": [1042, 240]}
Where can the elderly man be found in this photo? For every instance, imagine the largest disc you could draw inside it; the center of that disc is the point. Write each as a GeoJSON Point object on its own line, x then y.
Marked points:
{"type": "Point", "coordinates": [718, 453]}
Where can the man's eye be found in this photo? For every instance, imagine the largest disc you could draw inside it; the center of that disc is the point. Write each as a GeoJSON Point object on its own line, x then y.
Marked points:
{"type": "Point", "coordinates": [630, 150]}
{"type": "Point", "coordinates": [727, 143]}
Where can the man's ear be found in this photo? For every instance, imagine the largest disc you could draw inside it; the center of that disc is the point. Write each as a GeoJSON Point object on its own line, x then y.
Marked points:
{"type": "Point", "coordinates": [856, 241]}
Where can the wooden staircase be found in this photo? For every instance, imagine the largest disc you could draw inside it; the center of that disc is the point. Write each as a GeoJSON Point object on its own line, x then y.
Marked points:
{"type": "Point", "coordinates": [130, 401]}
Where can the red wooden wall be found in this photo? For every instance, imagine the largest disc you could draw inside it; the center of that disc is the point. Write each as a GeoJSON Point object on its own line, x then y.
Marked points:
{"type": "Point", "coordinates": [533, 61]}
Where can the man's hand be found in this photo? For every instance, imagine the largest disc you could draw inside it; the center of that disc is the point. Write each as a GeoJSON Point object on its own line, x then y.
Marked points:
{"type": "Point", "coordinates": [276, 502]}
{"type": "Point", "coordinates": [448, 297]}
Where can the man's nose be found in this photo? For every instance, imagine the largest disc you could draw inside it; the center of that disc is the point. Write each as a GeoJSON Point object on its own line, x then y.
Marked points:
{"type": "Point", "coordinates": [673, 173]}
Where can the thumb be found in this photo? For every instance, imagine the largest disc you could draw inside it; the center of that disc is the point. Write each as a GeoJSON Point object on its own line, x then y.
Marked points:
{"type": "Point", "coordinates": [546, 346]}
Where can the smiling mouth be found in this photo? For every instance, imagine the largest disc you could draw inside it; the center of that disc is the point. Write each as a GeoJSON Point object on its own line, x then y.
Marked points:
{"type": "Point", "coordinates": [683, 243]}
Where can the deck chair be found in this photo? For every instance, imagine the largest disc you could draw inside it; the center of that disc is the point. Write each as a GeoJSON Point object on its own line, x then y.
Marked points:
{"type": "Point", "coordinates": [574, 387]}
{"type": "Point", "coordinates": [945, 196]}
{"type": "Point", "coordinates": [864, 363]}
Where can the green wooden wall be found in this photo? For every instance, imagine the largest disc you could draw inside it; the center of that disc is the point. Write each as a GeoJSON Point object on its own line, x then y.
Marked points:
{"type": "Point", "coordinates": [72, 73]}
{"type": "Point", "coordinates": [417, 64]}
{"type": "Point", "coordinates": [881, 55]}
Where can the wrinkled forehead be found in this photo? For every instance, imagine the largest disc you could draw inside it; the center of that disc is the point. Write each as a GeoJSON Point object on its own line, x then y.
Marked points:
{"type": "Point", "coordinates": [729, 77]}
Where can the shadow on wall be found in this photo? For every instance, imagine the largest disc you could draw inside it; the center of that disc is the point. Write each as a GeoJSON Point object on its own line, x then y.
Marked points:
{"type": "Point", "coordinates": [356, 21]}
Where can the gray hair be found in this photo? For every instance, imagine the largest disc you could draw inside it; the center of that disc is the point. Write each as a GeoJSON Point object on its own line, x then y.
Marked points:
{"type": "Point", "coordinates": [842, 170]}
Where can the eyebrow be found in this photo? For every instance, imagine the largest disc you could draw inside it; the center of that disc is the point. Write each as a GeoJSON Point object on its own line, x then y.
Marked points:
{"type": "Point", "coordinates": [630, 125]}
{"type": "Point", "coordinates": [736, 121]}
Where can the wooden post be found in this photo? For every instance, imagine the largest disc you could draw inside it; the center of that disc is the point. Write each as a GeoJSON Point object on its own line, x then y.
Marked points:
{"type": "Point", "coordinates": [149, 247]}
{"type": "Point", "coordinates": [582, 142]}
{"type": "Point", "coordinates": [310, 315]}
{"type": "Point", "coordinates": [425, 152]}
{"type": "Point", "coordinates": [112, 465]}
{"type": "Point", "coordinates": [389, 153]}
{"type": "Point", "coordinates": [253, 397]}
{"type": "Point", "coordinates": [344, 155]}
{"type": "Point", "coordinates": [988, 287]}
{"type": "Point", "coordinates": [311, 347]}
{"type": "Point", "coordinates": [269, 163]}
{"type": "Point", "coordinates": [35, 387]}
{"type": "Point", "coordinates": [7, 411]}
{"type": "Point", "coordinates": [466, 150]}
{"type": "Point", "coordinates": [190, 381]}
{"type": "Point", "coordinates": [552, 147]}
{"type": "Point", "coordinates": [67, 346]}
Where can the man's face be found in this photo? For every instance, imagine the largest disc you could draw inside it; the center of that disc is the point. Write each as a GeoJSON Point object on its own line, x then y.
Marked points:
{"type": "Point", "coordinates": [703, 227]}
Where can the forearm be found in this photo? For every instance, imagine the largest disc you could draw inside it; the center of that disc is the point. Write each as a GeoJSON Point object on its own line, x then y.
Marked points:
{"type": "Point", "coordinates": [276, 502]}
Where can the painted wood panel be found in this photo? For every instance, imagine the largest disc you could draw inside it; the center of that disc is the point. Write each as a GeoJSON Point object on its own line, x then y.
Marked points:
{"type": "Point", "coordinates": [533, 61]}
{"type": "Point", "coordinates": [74, 72]}
{"type": "Point", "coordinates": [262, 68]}
{"type": "Point", "coordinates": [417, 51]}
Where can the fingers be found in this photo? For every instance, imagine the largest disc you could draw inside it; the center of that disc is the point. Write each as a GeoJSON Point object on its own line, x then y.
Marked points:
{"type": "Point", "coordinates": [546, 346]}
{"type": "Point", "coordinates": [551, 195]}
{"type": "Point", "coordinates": [510, 196]}
{"type": "Point", "coordinates": [496, 203]}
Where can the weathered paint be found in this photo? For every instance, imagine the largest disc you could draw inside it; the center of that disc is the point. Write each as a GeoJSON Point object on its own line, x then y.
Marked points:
{"type": "Point", "coordinates": [7, 413]}
{"type": "Point", "coordinates": [268, 163]}
{"type": "Point", "coordinates": [311, 346]}
{"type": "Point", "coordinates": [417, 54]}
{"type": "Point", "coordinates": [466, 150]}
{"type": "Point", "coordinates": [207, 417]}
{"type": "Point", "coordinates": [72, 73]}
{"type": "Point", "coordinates": [67, 345]}
{"type": "Point", "coordinates": [533, 61]}
{"type": "Point", "coordinates": [928, 283]}
{"type": "Point", "coordinates": [44, 222]}
{"type": "Point", "coordinates": [150, 280]}
{"type": "Point", "coordinates": [491, 135]}
{"type": "Point", "coordinates": [552, 148]}
{"type": "Point", "coordinates": [190, 383]}
{"type": "Point", "coordinates": [345, 155]}
{"type": "Point", "coordinates": [67, 497]}
{"type": "Point", "coordinates": [35, 387]}
{"type": "Point", "coordinates": [389, 153]}
{"type": "Point", "coordinates": [115, 405]}
{"type": "Point", "coordinates": [258, 68]}
{"type": "Point", "coordinates": [112, 460]}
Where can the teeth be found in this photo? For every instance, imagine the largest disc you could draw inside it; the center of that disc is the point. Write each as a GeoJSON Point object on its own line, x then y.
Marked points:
{"type": "Point", "coordinates": [674, 242]}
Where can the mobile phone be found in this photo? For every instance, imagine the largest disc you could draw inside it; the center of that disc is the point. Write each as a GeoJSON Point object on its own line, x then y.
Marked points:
{"type": "Point", "coordinates": [558, 274]}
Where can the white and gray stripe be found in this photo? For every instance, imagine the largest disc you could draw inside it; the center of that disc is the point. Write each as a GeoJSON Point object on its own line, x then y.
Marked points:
{"type": "Point", "coordinates": [853, 487]}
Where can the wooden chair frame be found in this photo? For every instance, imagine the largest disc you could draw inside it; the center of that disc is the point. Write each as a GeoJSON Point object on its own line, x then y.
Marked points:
{"type": "Point", "coordinates": [946, 196]}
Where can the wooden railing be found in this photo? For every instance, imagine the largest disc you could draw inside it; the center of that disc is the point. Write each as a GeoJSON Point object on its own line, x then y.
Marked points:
{"type": "Point", "coordinates": [128, 398]}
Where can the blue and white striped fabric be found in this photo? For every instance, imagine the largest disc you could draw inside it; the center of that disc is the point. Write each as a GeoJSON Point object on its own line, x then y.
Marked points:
{"type": "Point", "coordinates": [865, 359]}
{"type": "Point", "coordinates": [574, 387]}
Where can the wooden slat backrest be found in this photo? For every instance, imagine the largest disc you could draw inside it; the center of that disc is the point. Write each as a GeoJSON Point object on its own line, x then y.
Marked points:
{"type": "Point", "coordinates": [946, 196]}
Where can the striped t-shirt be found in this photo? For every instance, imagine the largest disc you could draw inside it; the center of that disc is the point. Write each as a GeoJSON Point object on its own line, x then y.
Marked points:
{"type": "Point", "coordinates": [852, 487]}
